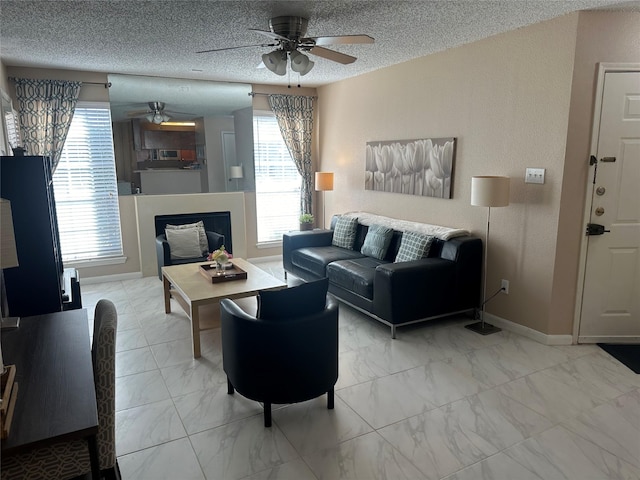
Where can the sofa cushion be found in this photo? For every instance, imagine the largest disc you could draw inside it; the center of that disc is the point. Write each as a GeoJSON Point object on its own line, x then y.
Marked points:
{"type": "Point", "coordinates": [377, 241]}
{"type": "Point", "coordinates": [414, 246]}
{"type": "Point", "coordinates": [355, 275]}
{"type": "Point", "coordinates": [344, 233]}
{"type": "Point", "coordinates": [316, 259]}
{"type": "Point", "coordinates": [184, 242]}
{"type": "Point", "coordinates": [299, 301]}
{"type": "Point", "coordinates": [202, 236]}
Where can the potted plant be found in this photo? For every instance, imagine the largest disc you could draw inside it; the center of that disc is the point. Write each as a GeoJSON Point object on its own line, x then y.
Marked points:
{"type": "Point", "coordinates": [306, 221]}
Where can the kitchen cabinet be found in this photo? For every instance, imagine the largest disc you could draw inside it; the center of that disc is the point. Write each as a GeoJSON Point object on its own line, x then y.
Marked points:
{"type": "Point", "coordinates": [168, 139]}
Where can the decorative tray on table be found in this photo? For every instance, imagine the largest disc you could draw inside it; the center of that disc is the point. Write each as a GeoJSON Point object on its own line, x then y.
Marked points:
{"type": "Point", "coordinates": [228, 274]}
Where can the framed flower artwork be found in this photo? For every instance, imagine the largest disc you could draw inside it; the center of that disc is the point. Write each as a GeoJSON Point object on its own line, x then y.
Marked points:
{"type": "Point", "coordinates": [415, 167]}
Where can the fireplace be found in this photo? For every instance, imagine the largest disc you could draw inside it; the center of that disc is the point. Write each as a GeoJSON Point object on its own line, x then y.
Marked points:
{"type": "Point", "coordinates": [148, 207]}
{"type": "Point", "coordinates": [219, 222]}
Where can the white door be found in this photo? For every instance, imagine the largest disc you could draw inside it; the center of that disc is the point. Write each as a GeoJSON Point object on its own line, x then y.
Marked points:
{"type": "Point", "coordinates": [611, 294]}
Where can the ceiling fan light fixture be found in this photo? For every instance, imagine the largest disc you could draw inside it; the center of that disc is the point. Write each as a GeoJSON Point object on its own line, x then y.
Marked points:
{"type": "Point", "coordinates": [308, 68]}
{"type": "Point", "coordinates": [275, 62]}
{"type": "Point", "coordinates": [299, 61]}
{"type": "Point", "coordinates": [149, 117]}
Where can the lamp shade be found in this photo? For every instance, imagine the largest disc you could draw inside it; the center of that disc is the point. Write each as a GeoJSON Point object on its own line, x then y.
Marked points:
{"type": "Point", "coordinates": [276, 61]}
{"type": "Point", "coordinates": [236, 171]}
{"type": "Point", "coordinates": [324, 181]}
{"type": "Point", "coordinates": [300, 63]}
{"type": "Point", "coordinates": [488, 191]}
{"type": "Point", "coordinates": [8, 251]}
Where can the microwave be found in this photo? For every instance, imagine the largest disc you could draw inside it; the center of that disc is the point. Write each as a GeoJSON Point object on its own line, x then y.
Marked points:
{"type": "Point", "coordinates": [168, 154]}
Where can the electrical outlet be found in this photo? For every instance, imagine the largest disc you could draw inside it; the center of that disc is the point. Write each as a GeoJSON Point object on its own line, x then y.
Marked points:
{"type": "Point", "coordinates": [505, 286]}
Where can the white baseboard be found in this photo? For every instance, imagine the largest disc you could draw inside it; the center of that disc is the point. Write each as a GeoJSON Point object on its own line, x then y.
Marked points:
{"type": "Point", "coordinates": [529, 332]}
{"type": "Point", "coordinates": [271, 258]}
{"type": "Point", "coordinates": [633, 339]}
{"type": "Point", "coordinates": [110, 278]}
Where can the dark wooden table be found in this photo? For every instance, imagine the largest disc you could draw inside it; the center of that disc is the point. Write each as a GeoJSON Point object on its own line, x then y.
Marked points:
{"type": "Point", "coordinates": [56, 394]}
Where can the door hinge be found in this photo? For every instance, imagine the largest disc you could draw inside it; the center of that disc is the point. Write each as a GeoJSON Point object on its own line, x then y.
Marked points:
{"type": "Point", "coordinates": [595, 229]}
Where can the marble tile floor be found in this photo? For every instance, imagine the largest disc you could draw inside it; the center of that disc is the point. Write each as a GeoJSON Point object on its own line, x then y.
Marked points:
{"type": "Point", "coordinates": [437, 402]}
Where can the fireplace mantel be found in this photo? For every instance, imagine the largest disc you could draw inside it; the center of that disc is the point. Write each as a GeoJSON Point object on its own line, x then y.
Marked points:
{"type": "Point", "coordinates": [148, 206]}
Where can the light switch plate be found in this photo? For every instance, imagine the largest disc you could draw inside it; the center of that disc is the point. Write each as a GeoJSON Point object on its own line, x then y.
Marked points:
{"type": "Point", "coordinates": [534, 175]}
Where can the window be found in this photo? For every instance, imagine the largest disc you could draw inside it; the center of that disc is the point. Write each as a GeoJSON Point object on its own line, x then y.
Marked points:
{"type": "Point", "coordinates": [277, 181]}
{"type": "Point", "coordinates": [86, 190]}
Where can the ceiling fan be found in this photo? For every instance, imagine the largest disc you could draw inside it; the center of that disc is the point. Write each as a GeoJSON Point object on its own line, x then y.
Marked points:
{"type": "Point", "coordinates": [156, 113]}
{"type": "Point", "coordinates": [288, 36]}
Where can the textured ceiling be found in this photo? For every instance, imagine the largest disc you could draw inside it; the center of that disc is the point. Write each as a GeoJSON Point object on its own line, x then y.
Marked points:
{"type": "Point", "coordinates": [160, 38]}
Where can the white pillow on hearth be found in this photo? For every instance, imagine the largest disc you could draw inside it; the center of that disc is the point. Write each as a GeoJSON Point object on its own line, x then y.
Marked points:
{"type": "Point", "coordinates": [184, 242]}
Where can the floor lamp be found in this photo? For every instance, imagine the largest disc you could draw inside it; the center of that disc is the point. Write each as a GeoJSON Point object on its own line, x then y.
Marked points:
{"type": "Point", "coordinates": [324, 183]}
{"type": "Point", "coordinates": [8, 259]}
{"type": "Point", "coordinates": [489, 192]}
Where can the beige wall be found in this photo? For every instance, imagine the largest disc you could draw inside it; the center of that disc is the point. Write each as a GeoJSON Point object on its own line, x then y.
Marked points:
{"type": "Point", "coordinates": [506, 99]}
{"type": "Point", "coordinates": [214, 126]}
{"type": "Point", "coordinates": [521, 99]}
{"type": "Point", "coordinates": [610, 37]}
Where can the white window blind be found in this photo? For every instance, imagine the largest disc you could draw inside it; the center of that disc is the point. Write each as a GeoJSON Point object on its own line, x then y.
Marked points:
{"type": "Point", "coordinates": [13, 130]}
{"type": "Point", "coordinates": [277, 181]}
{"type": "Point", "coordinates": [86, 190]}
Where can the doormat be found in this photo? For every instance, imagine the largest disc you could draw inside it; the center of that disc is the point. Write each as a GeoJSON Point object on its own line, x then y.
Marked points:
{"type": "Point", "coordinates": [627, 354]}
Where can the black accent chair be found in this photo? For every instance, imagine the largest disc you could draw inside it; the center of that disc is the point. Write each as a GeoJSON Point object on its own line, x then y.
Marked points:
{"type": "Point", "coordinates": [286, 360]}
{"type": "Point", "coordinates": [163, 251]}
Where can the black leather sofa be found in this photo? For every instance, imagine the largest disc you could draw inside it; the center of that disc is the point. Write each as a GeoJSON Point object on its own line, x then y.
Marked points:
{"type": "Point", "coordinates": [396, 294]}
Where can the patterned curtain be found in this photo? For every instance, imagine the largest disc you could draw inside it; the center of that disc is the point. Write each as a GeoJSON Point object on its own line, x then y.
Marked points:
{"type": "Point", "coordinates": [45, 108]}
{"type": "Point", "coordinates": [295, 119]}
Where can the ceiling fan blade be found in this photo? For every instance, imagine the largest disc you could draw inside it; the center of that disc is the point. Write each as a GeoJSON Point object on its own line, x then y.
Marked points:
{"type": "Point", "coordinates": [340, 40]}
{"type": "Point", "coordinates": [171, 112]}
{"type": "Point", "coordinates": [241, 46]}
{"type": "Point", "coordinates": [271, 35]}
{"type": "Point", "coordinates": [138, 113]}
{"type": "Point", "coordinates": [332, 55]}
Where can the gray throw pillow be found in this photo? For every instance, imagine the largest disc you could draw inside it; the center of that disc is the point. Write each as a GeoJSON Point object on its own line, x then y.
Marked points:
{"type": "Point", "coordinates": [413, 246]}
{"type": "Point", "coordinates": [344, 233]}
{"type": "Point", "coordinates": [184, 243]}
{"type": "Point", "coordinates": [299, 301]}
{"type": "Point", "coordinates": [377, 241]}
{"type": "Point", "coordinates": [204, 243]}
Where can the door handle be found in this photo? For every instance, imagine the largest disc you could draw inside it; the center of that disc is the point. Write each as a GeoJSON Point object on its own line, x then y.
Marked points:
{"type": "Point", "coordinates": [595, 229]}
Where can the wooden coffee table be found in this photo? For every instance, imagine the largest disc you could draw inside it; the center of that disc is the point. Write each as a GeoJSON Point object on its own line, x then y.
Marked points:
{"type": "Point", "coordinates": [192, 290]}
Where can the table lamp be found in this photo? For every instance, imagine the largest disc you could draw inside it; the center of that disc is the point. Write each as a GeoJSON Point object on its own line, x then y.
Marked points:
{"type": "Point", "coordinates": [324, 183]}
{"type": "Point", "coordinates": [488, 191]}
{"type": "Point", "coordinates": [8, 259]}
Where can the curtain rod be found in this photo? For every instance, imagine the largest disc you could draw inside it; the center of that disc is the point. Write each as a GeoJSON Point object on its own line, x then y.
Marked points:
{"type": "Point", "coordinates": [253, 94]}
{"type": "Point", "coordinates": [104, 84]}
